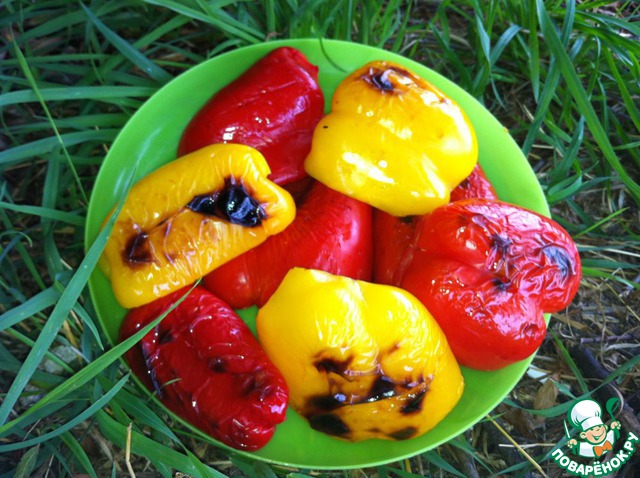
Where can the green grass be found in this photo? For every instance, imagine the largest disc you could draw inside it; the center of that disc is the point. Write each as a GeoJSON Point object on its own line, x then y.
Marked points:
{"type": "Point", "coordinates": [563, 77]}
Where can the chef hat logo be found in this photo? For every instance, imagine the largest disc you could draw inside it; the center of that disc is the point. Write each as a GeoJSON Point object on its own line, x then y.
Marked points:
{"type": "Point", "coordinates": [586, 414]}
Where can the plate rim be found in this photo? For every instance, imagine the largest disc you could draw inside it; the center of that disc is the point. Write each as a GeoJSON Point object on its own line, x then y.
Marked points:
{"type": "Point", "coordinates": [90, 235]}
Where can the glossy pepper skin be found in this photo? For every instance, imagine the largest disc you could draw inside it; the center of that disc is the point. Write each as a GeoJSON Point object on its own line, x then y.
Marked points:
{"type": "Point", "coordinates": [190, 216]}
{"type": "Point", "coordinates": [393, 235]}
{"type": "Point", "coordinates": [205, 365]}
{"type": "Point", "coordinates": [392, 238]}
{"type": "Point", "coordinates": [393, 140]}
{"type": "Point", "coordinates": [487, 271]}
{"type": "Point", "coordinates": [274, 107]}
{"type": "Point", "coordinates": [476, 185]}
{"type": "Point", "coordinates": [331, 232]}
{"type": "Point", "coordinates": [361, 360]}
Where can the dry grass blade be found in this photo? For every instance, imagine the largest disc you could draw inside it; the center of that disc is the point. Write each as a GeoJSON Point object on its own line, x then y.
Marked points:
{"type": "Point", "coordinates": [127, 456]}
{"type": "Point", "coordinates": [521, 450]}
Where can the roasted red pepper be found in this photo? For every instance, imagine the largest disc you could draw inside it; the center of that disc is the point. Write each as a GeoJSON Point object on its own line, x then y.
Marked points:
{"type": "Point", "coordinates": [476, 185]}
{"type": "Point", "coordinates": [205, 365]}
{"type": "Point", "coordinates": [274, 106]}
{"type": "Point", "coordinates": [392, 235]}
{"type": "Point", "coordinates": [391, 238]}
{"type": "Point", "coordinates": [331, 232]}
{"type": "Point", "coordinates": [487, 271]}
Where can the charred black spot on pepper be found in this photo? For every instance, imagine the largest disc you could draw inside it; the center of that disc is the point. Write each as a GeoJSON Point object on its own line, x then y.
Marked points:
{"type": "Point", "coordinates": [404, 433]}
{"type": "Point", "coordinates": [323, 403]}
{"type": "Point", "coordinates": [249, 384]}
{"type": "Point", "coordinates": [464, 184]}
{"type": "Point", "coordinates": [329, 423]}
{"type": "Point", "coordinates": [382, 82]}
{"type": "Point", "coordinates": [257, 381]}
{"type": "Point", "coordinates": [561, 258]}
{"type": "Point", "coordinates": [379, 79]}
{"type": "Point", "coordinates": [502, 284]}
{"type": "Point", "coordinates": [331, 365]}
{"type": "Point", "coordinates": [414, 404]}
{"type": "Point", "coordinates": [382, 388]}
{"type": "Point", "coordinates": [205, 204]}
{"type": "Point", "coordinates": [500, 244]}
{"type": "Point", "coordinates": [217, 364]}
{"type": "Point", "coordinates": [165, 337]}
{"type": "Point", "coordinates": [238, 207]}
{"type": "Point", "coordinates": [232, 203]}
{"type": "Point", "coordinates": [138, 250]}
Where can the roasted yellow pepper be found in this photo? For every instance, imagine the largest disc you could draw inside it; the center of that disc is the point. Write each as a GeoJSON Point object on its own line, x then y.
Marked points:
{"type": "Point", "coordinates": [190, 216]}
{"type": "Point", "coordinates": [361, 360]}
{"type": "Point", "coordinates": [393, 140]}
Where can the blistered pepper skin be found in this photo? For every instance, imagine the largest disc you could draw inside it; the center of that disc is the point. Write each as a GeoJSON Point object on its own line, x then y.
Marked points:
{"type": "Point", "coordinates": [487, 271]}
{"type": "Point", "coordinates": [190, 216]}
{"type": "Point", "coordinates": [361, 360]}
{"type": "Point", "coordinates": [393, 235]}
{"type": "Point", "coordinates": [331, 232]}
{"type": "Point", "coordinates": [274, 107]}
{"type": "Point", "coordinates": [204, 363]}
{"type": "Point", "coordinates": [393, 140]}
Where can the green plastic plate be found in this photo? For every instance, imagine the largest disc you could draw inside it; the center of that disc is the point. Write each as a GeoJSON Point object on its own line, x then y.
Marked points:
{"type": "Point", "coordinates": [150, 139]}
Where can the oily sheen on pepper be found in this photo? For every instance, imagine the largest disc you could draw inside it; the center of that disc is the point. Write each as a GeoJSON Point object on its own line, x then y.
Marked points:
{"type": "Point", "coordinates": [203, 362]}
{"type": "Point", "coordinates": [487, 271]}
{"type": "Point", "coordinates": [393, 140]}
{"type": "Point", "coordinates": [392, 235]}
{"type": "Point", "coordinates": [331, 232]}
{"type": "Point", "coordinates": [274, 107]}
{"type": "Point", "coordinates": [361, 360]}
{"type": "Point", "coordinates": [190, 216]}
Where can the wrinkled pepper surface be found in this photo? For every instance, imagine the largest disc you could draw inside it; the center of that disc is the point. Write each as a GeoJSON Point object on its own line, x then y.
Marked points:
{"type": "Point", "coordinates": [393, 140]}
{"type": "Point", "coordinates": [274, 107]}
{"type": "Point", "coordinates": [487, 271]}
{"type": "Point", "coordinates": [331, 232]}
{"type": "Point", "coordinates": [361, 360]}
{"type": "Point", "coordinates": [190, 216]}
{"type": "Point", "coordinates": [205, 365]}
{"type": "Point", "coordinates": [393, 235]}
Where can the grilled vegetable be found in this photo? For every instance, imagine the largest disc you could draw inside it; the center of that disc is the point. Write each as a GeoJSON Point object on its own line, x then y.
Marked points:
{"type": "Point", "coordinates": [274, 107]}
{"type": "Point", "coordinates": [204, 363]}
{"type": "Point", "coordinates": [393, 140]}
{"type": "Point", "coordinates": [487, 271]}
{"type": "Point", "coordinates": [361, 360]}
{"type": "Point", "coordinates": [190, 216]}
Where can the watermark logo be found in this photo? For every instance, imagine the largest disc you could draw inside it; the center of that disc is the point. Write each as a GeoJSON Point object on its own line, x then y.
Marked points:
{"type": "Point", "coordinates": [594, 440]}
